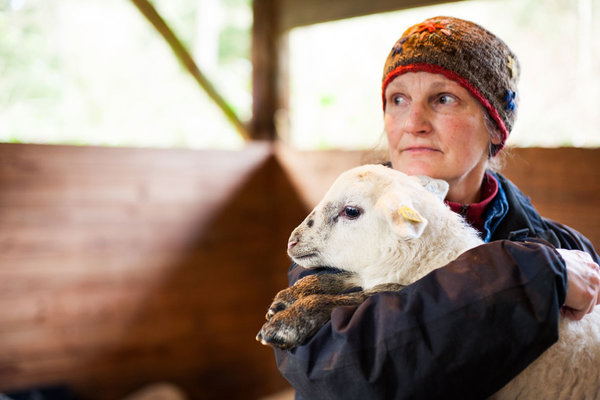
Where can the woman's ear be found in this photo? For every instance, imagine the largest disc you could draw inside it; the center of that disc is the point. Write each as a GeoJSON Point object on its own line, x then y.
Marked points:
{"type": "Point", "coordinates": [496, 136]}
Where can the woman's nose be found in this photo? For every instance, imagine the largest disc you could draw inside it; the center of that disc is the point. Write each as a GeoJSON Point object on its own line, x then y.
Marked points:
{"type": "Point", "coordinates": [417, 120]}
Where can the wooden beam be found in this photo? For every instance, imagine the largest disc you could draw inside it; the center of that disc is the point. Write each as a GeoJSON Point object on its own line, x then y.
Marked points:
{"type": "Point", "coordinates": [266, 72]}
{"type": "Point", "coordinates": [148, 10]}
{"type": "Point", "coordinates": [294, 13]}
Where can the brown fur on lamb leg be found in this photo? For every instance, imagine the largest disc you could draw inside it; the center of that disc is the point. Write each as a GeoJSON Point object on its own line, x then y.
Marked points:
{"type": "Point", "coordinates": [313, 284]}
{"type": "Point", "coordinates": [299, 322]}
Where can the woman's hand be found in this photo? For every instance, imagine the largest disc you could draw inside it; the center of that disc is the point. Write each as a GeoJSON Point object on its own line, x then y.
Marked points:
{"type": "Point", "coordinates": [583, 291]}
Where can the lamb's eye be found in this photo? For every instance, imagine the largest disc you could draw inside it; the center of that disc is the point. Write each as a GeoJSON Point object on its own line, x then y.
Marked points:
{"type": "Point", "coordinates": [351, 212]}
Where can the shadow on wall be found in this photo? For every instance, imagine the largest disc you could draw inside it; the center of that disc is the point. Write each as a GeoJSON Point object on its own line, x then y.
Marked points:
{"type": "Point", "coordinates": [132, 266]}
{"type": "Point", "coordinates": [196, 327]}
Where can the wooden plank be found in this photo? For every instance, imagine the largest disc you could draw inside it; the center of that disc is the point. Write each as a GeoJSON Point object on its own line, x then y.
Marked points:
{"type": "Point", "coordinates": [123, 266]}
{"type": "Point", "coordinates": [563, 183]}
{"type": "Point", "coordinates": [312, 172]}
{"type": "Point", "coordinates": [300, 13]}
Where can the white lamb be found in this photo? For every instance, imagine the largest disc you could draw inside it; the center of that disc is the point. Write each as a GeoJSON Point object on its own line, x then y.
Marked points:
{"type": "Point", "coordinates": [388, 230]}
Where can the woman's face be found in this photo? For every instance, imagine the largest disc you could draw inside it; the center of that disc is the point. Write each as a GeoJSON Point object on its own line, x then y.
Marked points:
{"type": "Point", "coordinates": [436, 128]}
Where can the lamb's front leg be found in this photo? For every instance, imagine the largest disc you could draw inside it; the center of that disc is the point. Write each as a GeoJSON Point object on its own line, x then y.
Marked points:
{"type": "Point", "coordinates": [310, 285]}
{"type": "Point", "coordinates": [299, 322]}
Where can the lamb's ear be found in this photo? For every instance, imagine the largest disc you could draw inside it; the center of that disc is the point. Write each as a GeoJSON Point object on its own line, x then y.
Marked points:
{"type": "Point", "coordinates": [438, 187]}
{"type": "Point", "coordinates": [405, 221]}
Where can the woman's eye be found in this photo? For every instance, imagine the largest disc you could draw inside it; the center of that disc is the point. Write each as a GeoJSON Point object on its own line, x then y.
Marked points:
{"type": "Point", "coordinates": [351, 212]}
{"type": "Point", "coordinates": [398, 100]}
{"type": "Point", "coordinates": [446, 99]}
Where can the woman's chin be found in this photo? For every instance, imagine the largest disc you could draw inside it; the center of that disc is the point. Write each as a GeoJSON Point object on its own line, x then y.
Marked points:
{"type": "Point", "coordinates": [416, 168]}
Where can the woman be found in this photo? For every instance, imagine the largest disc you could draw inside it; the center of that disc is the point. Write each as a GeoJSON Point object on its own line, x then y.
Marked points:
{"type": "Point", "coordinates": [450, 100]}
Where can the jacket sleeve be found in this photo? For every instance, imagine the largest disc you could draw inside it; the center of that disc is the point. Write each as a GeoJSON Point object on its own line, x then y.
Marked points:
{"type": "Point", "coordinates": [463, 331]}
{"type": "Point", "coordinates": [569, 238]}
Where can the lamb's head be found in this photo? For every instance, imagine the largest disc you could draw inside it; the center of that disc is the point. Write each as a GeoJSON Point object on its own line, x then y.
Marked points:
{"type": "Point", "coordinates": [364, 218]}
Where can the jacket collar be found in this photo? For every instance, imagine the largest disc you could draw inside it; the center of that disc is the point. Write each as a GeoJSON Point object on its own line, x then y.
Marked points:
{"type": "Point", "coordinates": [520, 220]}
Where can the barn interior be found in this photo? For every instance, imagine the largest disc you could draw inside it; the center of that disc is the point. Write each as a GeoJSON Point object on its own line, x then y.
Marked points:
{"type": "Point", "coordinates": [121, 267]}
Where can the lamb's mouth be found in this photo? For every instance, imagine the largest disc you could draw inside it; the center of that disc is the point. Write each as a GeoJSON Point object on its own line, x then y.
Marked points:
{"type": "Point", "coordinates": [304, 258]}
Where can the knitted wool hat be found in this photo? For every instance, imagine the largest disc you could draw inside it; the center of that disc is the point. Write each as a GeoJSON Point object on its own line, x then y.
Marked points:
{"type": "Point", "coordinates": [467, 54]}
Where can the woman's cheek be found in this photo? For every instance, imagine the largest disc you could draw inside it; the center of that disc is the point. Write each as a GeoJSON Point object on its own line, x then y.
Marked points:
{"type": "Point", "coordinates": [392, 134]}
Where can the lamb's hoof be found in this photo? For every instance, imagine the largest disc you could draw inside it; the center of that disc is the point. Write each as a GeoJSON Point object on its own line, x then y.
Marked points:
{"type": "Point", "coordinates": [275, 308]}
{"type": "Point", "coordinates": [274, 340]}
{"type": "Point", "coordinates": [278, 334]}
{"type": "Point", "coordinates": [283, 300]}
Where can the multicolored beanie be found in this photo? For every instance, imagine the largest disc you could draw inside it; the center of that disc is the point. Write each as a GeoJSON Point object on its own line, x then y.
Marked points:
{"type": "Point", "coordinates": [467, 54]}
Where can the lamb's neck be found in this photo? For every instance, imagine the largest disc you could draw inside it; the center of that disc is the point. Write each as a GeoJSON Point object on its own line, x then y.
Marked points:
{"type": "Point", "coordinates": [450, 248]}
{"type": "Point", "coordinates": [444, 245]}
{"type": "Point", "coordinates": [411, 260]}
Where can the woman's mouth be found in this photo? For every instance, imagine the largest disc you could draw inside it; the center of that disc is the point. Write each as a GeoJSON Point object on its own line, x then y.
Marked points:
{"type": "Point", "coordinates": [419, 150]}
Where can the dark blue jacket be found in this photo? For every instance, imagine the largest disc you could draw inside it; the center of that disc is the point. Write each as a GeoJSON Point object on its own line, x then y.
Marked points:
{"type": "Point", "coordinates": [462, 332]}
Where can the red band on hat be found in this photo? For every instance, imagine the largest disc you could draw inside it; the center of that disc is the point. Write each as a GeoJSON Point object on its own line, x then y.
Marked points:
{"type": "Point", "coordinates": [436, 69]}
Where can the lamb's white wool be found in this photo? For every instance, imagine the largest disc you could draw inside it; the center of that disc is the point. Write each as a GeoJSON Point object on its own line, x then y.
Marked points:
{"type": "Point", "coordinates": [388, 227]}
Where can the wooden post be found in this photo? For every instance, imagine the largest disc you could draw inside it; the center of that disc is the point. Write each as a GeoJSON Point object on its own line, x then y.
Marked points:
{"type": "Point", "coordinates": [266, 69]}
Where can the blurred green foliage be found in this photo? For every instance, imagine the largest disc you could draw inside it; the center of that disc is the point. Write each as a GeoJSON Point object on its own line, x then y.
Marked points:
{"type": "Point", "coordinates": [96, 72]}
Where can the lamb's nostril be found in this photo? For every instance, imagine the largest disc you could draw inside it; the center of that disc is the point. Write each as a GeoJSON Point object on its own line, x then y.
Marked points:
{"type": "Point", "coordinates": [292, 243]}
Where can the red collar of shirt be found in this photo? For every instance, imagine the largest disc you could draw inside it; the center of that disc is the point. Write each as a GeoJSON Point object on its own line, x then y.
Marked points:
{"type": "Point", "coordinates": [473, 213]}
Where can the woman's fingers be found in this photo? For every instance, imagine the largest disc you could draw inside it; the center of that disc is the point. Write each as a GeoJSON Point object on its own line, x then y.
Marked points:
{"type": "Point", "coordinates": [583, 292]}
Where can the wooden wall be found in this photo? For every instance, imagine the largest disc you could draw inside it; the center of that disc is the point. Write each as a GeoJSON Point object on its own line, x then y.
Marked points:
{"type": "Point", "coordinates": [564, 185]}
{"type": "Point", "coordinates": [120, 267]}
